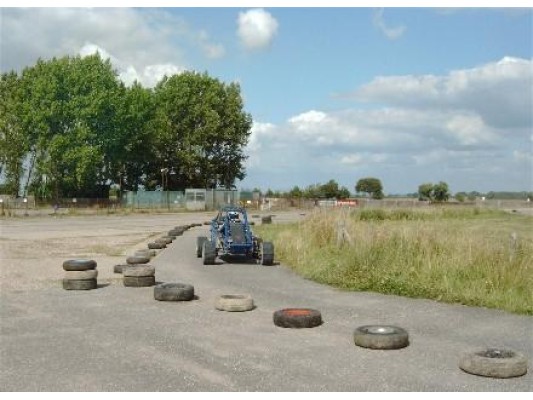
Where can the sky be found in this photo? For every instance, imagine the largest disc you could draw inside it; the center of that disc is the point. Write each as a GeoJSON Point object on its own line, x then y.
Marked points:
{"type": "Point", "coordinates": [406, 95]}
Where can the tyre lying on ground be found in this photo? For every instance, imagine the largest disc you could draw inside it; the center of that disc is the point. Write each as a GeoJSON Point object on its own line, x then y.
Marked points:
{"type": "Point", "coordinates": [117, 269]}
{"type": "Point", "coordinates": [79, 284]}
{"type": "Point", "coordinates": [155, 245]}
{"type": "Point", "coordinates": [494, 363]}
{"type": "Point", "coordinates": [381, 337]}
{"type": "Point", "coordinates": [234, 302]}
{"type": "Point", "coordinates": [164, 239]}
{"type": "Point", "coordinates": [173, 292]}
{"type": "Point", "coordinates": [139, 275]}
{"type": "Point", "coordinates": [79, 265]}
{"type": "Point", "coordinates": [297, 318]}
{"type": "Point", "coordinates": [80, 274]}
{"type": "Point", "coordinates": [266, 220]}
{"type": "Point", "coordinates": [137, 260]}
{"type": "Point", "coordinates": [145, 253]}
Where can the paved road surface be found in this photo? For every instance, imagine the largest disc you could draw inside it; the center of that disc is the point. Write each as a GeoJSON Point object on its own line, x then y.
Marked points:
{"type": "Point", "coordinates": [117, 338]}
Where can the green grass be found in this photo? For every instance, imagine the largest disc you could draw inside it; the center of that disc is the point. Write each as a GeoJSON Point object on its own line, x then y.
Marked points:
{"type": "Point", "coordinates": [455, 255]}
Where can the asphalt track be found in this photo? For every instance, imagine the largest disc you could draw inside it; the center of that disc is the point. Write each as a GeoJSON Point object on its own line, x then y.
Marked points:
{"type": "Point", "coordinates": [118, 338]}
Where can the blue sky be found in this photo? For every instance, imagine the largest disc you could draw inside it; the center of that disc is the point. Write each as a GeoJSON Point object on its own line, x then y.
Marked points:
{"type": "Point", "coordinates": [407, 95]}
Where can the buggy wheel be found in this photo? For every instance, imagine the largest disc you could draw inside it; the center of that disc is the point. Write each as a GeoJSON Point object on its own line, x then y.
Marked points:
{"type": "Point", "coordinates": [199, 244]}
{"type": "Point", "coordinates": [209, 252]}
{"type": "Point", "coordinates": [267, 253]}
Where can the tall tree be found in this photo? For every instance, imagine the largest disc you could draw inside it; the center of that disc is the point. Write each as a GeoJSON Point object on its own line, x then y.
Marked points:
{"type": "Point", "coordinates": [202, 130]}
{"type": "Point", "coordinates": [14, 145]}
{"type": "Point", "coordinates": [70, 108]}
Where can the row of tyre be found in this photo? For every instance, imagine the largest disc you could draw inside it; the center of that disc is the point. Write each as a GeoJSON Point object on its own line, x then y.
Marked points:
{"type": "Point", "coordinates": [82, 275]}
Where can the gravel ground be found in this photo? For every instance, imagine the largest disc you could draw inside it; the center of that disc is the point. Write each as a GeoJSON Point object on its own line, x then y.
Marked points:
{"type": "Point", "coordinates": [117, 338]}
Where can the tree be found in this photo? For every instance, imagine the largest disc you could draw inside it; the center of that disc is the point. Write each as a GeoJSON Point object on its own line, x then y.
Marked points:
{"type": "Point", "coordinates": [202, 129]}
{"type": "Point", "coordinates": [425, 191]}
{"type": "Point", "coordinates": [13, 142]}
{"type": "Point", "coordinates": [434, 192]}
{"type": "Point", "coordinates": [371, 186]}
{"type": "Point", "coordinates": [70, 118]}
{"type": "Point", "coordinates": [441, 192]}
{"type": "Point", "coordinates": [296, 192]}
{"type": "Point", "coordinates": [330, 189]}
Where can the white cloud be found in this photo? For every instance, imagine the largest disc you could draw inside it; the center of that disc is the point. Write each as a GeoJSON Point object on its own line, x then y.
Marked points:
{"type": "Point", "coordinates": [389, 32]}
{"type": "Point", "coordinates": [148, 76]}
{"type": "Point", "coordinates": [141, 43]}
{"type": "Point", "coordinates": [499, 92]}
{"type": "Point", "coordinates": [256, 29]}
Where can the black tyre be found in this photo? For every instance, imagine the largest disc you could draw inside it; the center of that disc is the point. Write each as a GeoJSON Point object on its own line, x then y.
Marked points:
{"type": "Point", "coordinates": [145, 253]}
{"type": "Point", "coordinates": [381, 337]}
{"type": "Point", "coordinates": [494, 363]}
{"type": "Point", "coordinates": [207, 222]}
{"type": "Point", "coordinates": [164, 239]}
{"type": "Point", "coordinates": [209, 252]}
{"type": "Point", "coordinates": [267, 253]}
{"type": "Point", "coordinates": [200, 240]}
{"type": "Point", "coordinates": [81, 275]}
{"type": "Point", "coordinates": [117, 269]}
{"type": "Point", "coordinates": [138, 281]}
{"type": "Point", "coordinates": [266, 220]}
{"type": "Point", "coordinates": [139, 270]}
{"type": "Point", "coordinates": [154, 245]}
{"type": "Point", "coordinates": [173, 292]}
{"type": "Point", "coordinates": [297, 318]}
{"type": "Point", "coordinates": [234, 302]}
{"type": "Point", "coordinates": [79, 284]}
{"type": "Point", "coordinates": [133, 260]}
{"type": "Point", "coordinates": [175, 232]}
{"type": "Point", "coordinates": [79, 265]}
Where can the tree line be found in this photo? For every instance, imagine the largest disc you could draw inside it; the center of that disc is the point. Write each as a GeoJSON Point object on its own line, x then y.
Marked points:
{"type": "Point", "coordinates": [70, 128]}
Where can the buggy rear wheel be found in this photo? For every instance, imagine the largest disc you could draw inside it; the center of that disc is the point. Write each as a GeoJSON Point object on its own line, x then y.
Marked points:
{"type": "Point", "coordinates": [199, 244]}
{"type": "Point", "coordinates": [267, 253]}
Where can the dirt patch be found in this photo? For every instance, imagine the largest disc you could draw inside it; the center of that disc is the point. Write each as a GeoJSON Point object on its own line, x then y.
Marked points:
{"type": "Point", "coordinates": [32, 250]}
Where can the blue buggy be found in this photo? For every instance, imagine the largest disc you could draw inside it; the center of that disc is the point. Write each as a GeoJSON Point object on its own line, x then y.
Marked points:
{"type": "Point", "coordinates": [231, 235]}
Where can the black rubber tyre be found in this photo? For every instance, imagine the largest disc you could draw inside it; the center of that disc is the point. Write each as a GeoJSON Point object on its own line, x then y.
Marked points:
{"type": "Point", "coordinates": [138, 281]}
{"type": "Point", "coordinates": [251, 223]}
{"type": "Point", "coordinates": [154, 245]}
{"type": "Point", "coordinates": [234, 302]}
{"type": "Point", "coordinates": [175, 232]}
{"type": "Point", "coordinates": [200, 240]}
{"type": "Point", "coordinates": [133, 260]}
{"type": "Point", "coordinates": [266, 220]}
{"type": "Point", "coordinates": [81, 275]}
{"type": "Point", "coordinates": [139, 270]}
{"type": "Point", "coordinates": [494, 363]}
{"type": "Point", "coordinates": [164, 239]}
{"type": "Point", "coordinates": [174, 292]}
{"type": "Point", "coordinates": [267, 253]}
{"type": "Point", "coordinates": [207, 222]}
{"type": "Point", "coordinates": [79, 284]}
{"type": "Point", "coordinates": [209, 253]}
{"type": "Point", "coordinates": [145, 253]}
{"type": "Point", "coordinates": [117, 269]}
{"type": "Point", "coordinates": [297, 318]}
{"type": "Point", "coordinates": [381, 337]}
{"type": "Point", "coordinates": [79, 265]}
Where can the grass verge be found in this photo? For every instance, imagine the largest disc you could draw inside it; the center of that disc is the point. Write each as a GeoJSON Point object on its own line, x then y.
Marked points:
{"type": "Point", "coordinates": [467, 256]}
